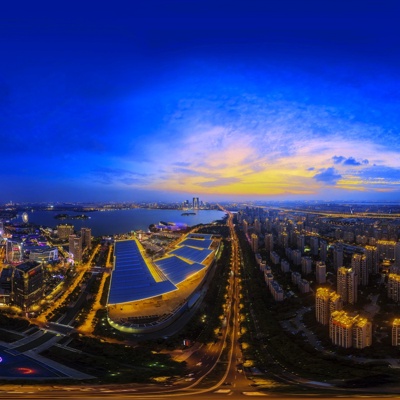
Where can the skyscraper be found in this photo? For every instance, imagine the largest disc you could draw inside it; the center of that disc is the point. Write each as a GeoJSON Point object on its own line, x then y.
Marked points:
{"type": "Point", "coordinates": [326, 302]}
{"type": "Point", "coordinates": [347, 285]}
{"type": "Point", "coordinates": [323, 250]}
{"type": "Point", "coordinates": [340, 329]}
{"type": "Point", "coordinates": [257, 226]}
{"type": "Point", "coordinates": [394, 287]}
{"type": "Point", "coordinates": [338, 256]}
{"type": "Point", "coordinates": [27, 284]}
{"type": "Point", "coordinates": [396, 332]}
{"type": "Point", "coordinates": [269, 242]}
{"type": "Point", "coordinates": [314, 245]}
{"type": "Point", "coordinates": [371, 253]}
{"type": "Point", "coordinates": [196, 203]}
{"type": "Point", "coordinates": [75, 248]}
{"type": "Point", "coordinates": [397, 254]}
{"type": "Point", "coordinates": [86, 234]}
{"type": "Point", "coordinates": [359, 266]}
{"type": "Point", "coordinates": [64, 230]}
{"type": "Point", "coordinates": [254, 242]}
{"type": "Point", "coordinates": [320, 272]}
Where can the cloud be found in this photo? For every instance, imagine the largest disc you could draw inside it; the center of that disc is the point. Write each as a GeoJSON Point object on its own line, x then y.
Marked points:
{"type": "Point", "coordinates": [338, 159]}
{"type": "Point", "coordinates": [327, 175]}
{"type": "Point", "coordinates": [351, 161]}
{"type": "Point", "coordinates": [311, 169]}
{"type": "Point", "coordinates": [219, 182]}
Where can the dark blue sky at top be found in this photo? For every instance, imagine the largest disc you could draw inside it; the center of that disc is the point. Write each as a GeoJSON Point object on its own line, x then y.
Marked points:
{"type": "Point", "coordinates": [97, 97]}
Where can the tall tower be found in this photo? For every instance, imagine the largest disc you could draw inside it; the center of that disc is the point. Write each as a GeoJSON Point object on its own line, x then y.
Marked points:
{"type": "Point", "coordinates": [254, 242]}
{"type": "Point", "coordinates": [394, 287]}
{"type": "Point", "coordinates": [338, 256]}
{"type": "Point", "coordinates": [314, 245]}
{"type": "Point", "coordinates": [322, 305]}
{"type": "Point", "coordinates": [86, 234]}
{"type": "Point", "coordinates": [323, 250]}
{"type": "Point", "coordinates": [75, 247]}
{"type": "Point", "coordinates": [359, 265]}
{"type": "Point", "coordinates": [257, 226]}
{"type": "Point", "coordinates": [195, 203]}
{"type": "Point", "coordinates": [320, 272]}
{"type": "Point", "coordinates": [269, 242]}
{"type": "Point", "coordinates": [397, 254]}
{"type": "Point", "coordinates": [300, 242]}
{"type": "Point", "coordinates": [371, 253]}
{"type": "Point", "coordinates": [64, 230]}
{"type": "Point", "coordinates": [347, 285]}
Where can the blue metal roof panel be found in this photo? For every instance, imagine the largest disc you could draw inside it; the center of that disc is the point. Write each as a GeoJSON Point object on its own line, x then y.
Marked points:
{"type": "Point", "coordinates": [131, 280]}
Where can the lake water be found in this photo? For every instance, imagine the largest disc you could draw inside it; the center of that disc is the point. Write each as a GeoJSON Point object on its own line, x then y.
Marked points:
{"type": "Point", "coordinates": [105, 223]}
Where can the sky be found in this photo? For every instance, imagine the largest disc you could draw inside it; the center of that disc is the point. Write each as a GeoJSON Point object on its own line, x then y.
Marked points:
{"type": "Point", "coordinates": [152, 100]}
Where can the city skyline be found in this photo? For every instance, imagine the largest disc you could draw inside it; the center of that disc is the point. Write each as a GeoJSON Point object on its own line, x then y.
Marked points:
{"type": "Point", "coordinates": [171, 100]}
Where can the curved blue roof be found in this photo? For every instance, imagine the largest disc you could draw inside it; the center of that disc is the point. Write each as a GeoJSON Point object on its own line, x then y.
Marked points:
{"type": "Point", "coordinates": [192, 254]}
{"type": "Point", "coordinates": [200, 243]}
{"type": "Point", "coordinates": [178, 270]}
{"type": "Point", "coordinates": [131, 279]}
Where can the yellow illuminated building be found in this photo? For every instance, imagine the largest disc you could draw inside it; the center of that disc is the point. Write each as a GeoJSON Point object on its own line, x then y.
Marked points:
{"type": "Point", "coordinates": [394, 287]}
{"type": "Point", "coordinates": [346, 331]}
{"type": "Point", "coordinates": [326, 302]}
{"type": "Point", "coordinates": [396, 332]}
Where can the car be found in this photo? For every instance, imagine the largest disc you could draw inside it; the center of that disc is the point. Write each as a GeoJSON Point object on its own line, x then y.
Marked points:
{"type": "Point", "coordinates": [227, 383]}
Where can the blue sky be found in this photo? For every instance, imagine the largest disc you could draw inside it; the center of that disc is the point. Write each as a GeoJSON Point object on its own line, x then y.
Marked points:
{"type": "Point", "coordinates": [152, 100]}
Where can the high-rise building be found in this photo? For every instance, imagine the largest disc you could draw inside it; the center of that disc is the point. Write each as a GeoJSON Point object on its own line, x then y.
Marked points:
{"type": "Point", "coordinates": [86, 234]}
{"type": "Point", "coordinates": [396, 332]}
{"type": "Point", "coordinates": [346, 331]}
{"type": "Point", "coordinates": [268, 225]}
{"type": "Point", "coordinates": [359, 266]}
{"type": "Point", "coordinates": [386, 249]}
{"type": "Point", "coordinates": [257, 226]}
{"type": "Point", "coordinates": [323, 252]}
{"type": "Point", "coordinates": [341, 329]}
{"type": "Point", "coordinates": [285, 266]}
{"type": "Point", "coordinates": [306, 265]}
{"type": "Point", "coordinates": [335, 302]}
{"type": "Point", "coordinates": [371, 252]}
{"type": "Point", "coordinates": [269, 242]}
{"type": "Point", "coordinates": [394, 287]}
{"type": "Point", "coordinates": [301, 240]}
{"type": "Point", "coordinates": [314, 244]}
{"type": "Point", "coordinates": [14, 252]}
{"type": "Point", "coordinates": [362, 333]}
{"type": "Point", "coordinates": [245, 226]}
{"type": "Point", "coordinates": [322, 312]}
{"type": "Point", "coordinates": [320, 272]}
{"type": "Point", "coordinates": [296, 257]}
{"type": "Point", "coordinates": [304, 286]}
{"type": "Point", "coordinates": [338, 256]}
{"type": "Point", "coordinates": [397, 254]}
{"type": "Point", "coordinates": [27, 284]}
{"type": "Point", "coordinates": [75, 248]}
{"type": "Point", "coordinates": [347, 285]}
{"type": "Point", "coordinates": [64, 230]}
{"type": "Point", "coordinates": [196, 203]}
{"type": "Point", "coordinates": [254, 242]}
{"type": "Point", "coordinates": [283, 239]}
{"type": "Point", "coordinates": [326, 302]}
